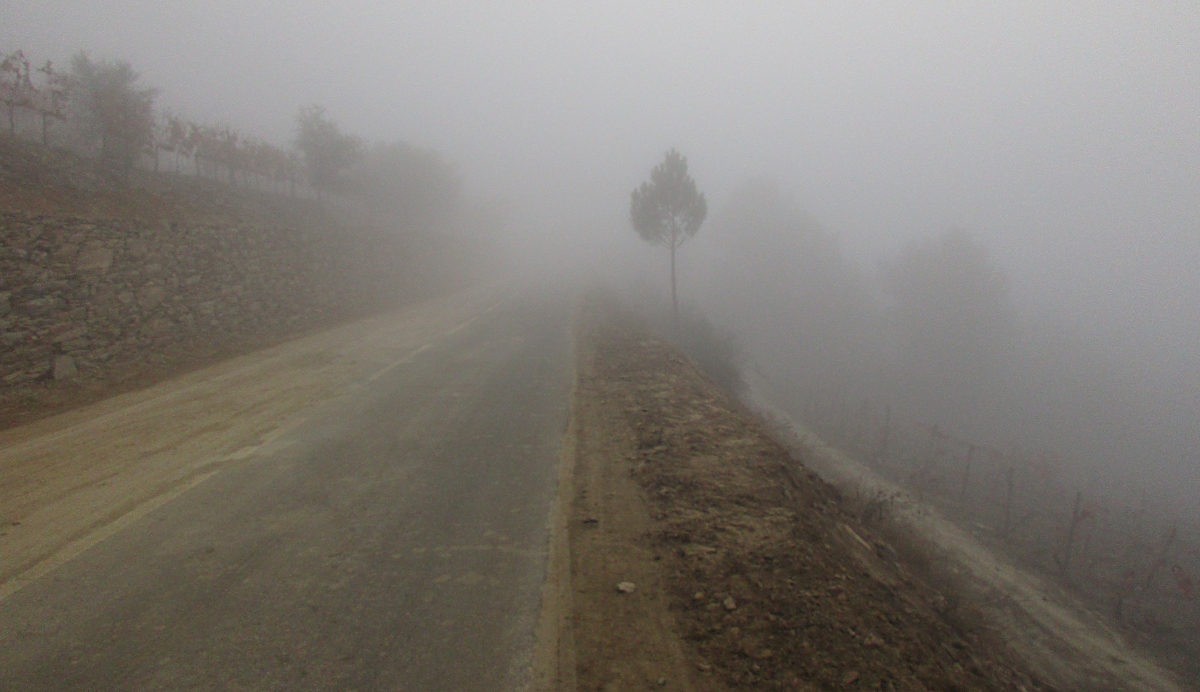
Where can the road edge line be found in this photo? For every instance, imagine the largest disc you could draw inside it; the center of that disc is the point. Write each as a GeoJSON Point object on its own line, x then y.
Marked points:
{"type": "Point", "coordinates": [554, 648]}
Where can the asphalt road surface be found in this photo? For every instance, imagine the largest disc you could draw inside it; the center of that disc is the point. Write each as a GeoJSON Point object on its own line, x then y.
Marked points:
{"type": "Point", "coordinates": [363, 509]}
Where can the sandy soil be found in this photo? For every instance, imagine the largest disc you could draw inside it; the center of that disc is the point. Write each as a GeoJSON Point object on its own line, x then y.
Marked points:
{"type": "Point", "coordinates": [69, 480]}
{"type": "Point", "coordinates": [1054, 633]}
{"type": "Point", "coordinates": [742, 569]}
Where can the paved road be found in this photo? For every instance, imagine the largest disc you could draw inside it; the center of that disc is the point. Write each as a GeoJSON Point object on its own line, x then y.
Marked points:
{"type": "Point", "coordinates": [395, 539]}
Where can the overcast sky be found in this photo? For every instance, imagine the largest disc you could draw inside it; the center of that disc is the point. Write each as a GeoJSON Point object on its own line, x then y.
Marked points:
{"type": "Point", "coordinates": [1066, 135]}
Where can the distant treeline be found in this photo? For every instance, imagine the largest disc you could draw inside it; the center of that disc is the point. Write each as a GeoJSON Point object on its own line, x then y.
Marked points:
{"type": "Point", "coordinates": [934, 334]}
{"type": "Point", "coordinates": [100, 108]}
{"type": "Point", "coordinates": [927, 368]}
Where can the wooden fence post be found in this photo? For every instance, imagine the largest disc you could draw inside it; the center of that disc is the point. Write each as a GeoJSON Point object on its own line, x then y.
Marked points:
{"type": "Point", "coordinates": [1008, 498]}
{"type": "Point", "coordinates": [1155, 567]}
{"type": "Point", "coordinates": [1076, 517]}
{"type": "Point", "coordinates": [962, 497]}
{"type": "Point", "coordinates": [887, 433]}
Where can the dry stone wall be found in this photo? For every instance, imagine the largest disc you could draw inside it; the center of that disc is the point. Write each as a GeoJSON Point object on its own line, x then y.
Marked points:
{"type": "Point", "coordinates": [80, 297]}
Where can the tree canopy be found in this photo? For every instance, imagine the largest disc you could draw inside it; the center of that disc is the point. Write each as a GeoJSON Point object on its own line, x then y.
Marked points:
{"type": "Point", "coordinates": [668, 209]}
{"type": "Point", "coordinates": [328, 153]}
{"type": "Point", "coordinates": [112, 110]}
{"type": "Point", "coordinates": [948, 290]}
{"type": "Point", "coordinates": [401, 178]}
{"type": "Point", "coordinates": [953, 317]}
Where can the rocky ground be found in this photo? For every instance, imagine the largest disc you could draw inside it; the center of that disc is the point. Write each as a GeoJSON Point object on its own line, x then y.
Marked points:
{"type": "Point", "coordinates": [704, 556]}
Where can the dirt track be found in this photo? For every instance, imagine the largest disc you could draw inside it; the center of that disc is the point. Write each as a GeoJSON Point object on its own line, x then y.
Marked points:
{"type": "Point", "coordinates": [747, 569]}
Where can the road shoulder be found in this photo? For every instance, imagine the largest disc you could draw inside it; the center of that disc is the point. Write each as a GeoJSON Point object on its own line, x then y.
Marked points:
{"type": "Point", "coordinates": [741, 567]}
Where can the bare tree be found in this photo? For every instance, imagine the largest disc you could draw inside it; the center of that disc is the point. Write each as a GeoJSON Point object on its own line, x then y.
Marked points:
{"type": "Point", "coordinates": [51, 99]}
{"type": "Point", "coordinates": [16, 87]}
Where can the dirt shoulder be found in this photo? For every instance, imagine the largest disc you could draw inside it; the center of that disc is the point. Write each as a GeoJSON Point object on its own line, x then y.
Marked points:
{"type": "Point", "coordinates": [747, 570]}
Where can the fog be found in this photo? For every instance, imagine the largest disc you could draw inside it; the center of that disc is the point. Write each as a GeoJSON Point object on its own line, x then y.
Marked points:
{"type": "Point", "coordinates": [1061, 139]}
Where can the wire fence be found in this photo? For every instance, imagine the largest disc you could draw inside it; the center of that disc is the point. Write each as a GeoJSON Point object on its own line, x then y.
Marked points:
{"type": "Point", "coordinates": [1136, 561]}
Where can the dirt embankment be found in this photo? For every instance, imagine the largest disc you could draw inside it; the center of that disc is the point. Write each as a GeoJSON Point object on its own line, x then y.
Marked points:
{"type": "Point", "coordinates": [703, 556]}
{"type": "Point", "coordinates": [1055, 633]}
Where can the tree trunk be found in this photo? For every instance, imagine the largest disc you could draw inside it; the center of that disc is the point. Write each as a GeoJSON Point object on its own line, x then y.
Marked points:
{"type": "Point", "coordinates": [674, 300]}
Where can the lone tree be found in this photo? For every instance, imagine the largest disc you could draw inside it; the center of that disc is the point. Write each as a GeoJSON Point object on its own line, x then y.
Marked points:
{"type": "Point", "coordinates": [668, 209]}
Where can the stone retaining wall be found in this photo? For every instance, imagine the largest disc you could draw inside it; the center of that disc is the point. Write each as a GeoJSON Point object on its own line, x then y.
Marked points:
{"type": "Point", "coordinates": [79, 296]}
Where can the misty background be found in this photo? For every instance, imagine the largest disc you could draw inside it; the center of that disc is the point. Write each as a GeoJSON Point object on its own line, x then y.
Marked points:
{"type": "Point", "coordinates": [985, 216]}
